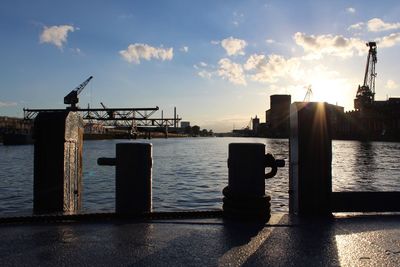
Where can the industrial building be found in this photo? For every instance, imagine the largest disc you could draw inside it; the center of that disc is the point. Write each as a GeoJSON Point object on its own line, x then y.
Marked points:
{"type": "Point", "coordinates": [371, 119]}
{"type": "Point", "coordinates": [277, 117]}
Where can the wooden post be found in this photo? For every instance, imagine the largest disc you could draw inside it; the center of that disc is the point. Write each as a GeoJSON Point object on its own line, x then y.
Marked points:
{"type": "Point", "coordinates": [57, 162]}
{"type": "Point", "coordinates": [310, 171]}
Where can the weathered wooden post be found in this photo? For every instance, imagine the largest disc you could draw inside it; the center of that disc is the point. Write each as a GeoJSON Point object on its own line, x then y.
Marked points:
{"type": "Point", "coordinates": [310, 155]}
{"type": "Point", "coordinates": [133, 177]}
{"type": "Point", "coordinates": [58, 147]}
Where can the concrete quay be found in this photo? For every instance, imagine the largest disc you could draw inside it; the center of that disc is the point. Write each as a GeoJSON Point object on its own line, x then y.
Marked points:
{"type": "Point", "coordinates": [286, 240]}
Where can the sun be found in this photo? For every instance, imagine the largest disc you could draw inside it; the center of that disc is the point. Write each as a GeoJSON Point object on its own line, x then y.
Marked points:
{"type": "Point", "coordinates": [337, 91]}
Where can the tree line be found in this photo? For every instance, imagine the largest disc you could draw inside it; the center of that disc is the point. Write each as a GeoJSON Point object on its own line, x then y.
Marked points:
{"type": "Point", "coordinates": [196, 131]}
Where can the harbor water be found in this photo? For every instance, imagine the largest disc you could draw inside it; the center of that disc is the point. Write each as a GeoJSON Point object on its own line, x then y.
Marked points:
{"type": "Point", "coordinates": [190, 173]}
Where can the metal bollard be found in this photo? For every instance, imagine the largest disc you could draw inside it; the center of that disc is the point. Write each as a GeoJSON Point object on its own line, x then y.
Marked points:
{"type": "Point", "coordinates": [245, 193]}
{"type": "Point", "coordinates": [133, 175]}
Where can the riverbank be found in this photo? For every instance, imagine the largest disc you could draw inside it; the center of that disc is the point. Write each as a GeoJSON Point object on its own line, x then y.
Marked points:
{"type": "Point", "coordinates": [140, 135]}
{"type": "Point", "coordinates": [342, 240]}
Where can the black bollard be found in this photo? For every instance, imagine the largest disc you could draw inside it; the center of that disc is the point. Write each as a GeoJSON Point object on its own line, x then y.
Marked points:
{"type": "Point", "coordinates": [310, 172]}
{"type": "Point", "coordinates": [57, 185]}
{"type": "Point", "coordinates": [245, 194]}
{"type": "Point", "coordinates": [133, 177]}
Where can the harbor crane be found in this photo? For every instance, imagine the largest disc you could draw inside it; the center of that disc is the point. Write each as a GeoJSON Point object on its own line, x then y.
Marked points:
{"type": "Point", "coordinates": [72, 98]}
{"type": "Point", "coordinates": [366, 93]}
{"type": "Point", "coordinates": [308, 95]}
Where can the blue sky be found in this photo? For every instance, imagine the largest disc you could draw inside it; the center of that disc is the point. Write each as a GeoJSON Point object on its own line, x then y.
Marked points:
{"type": "Point", "coordinates": [216, 61]}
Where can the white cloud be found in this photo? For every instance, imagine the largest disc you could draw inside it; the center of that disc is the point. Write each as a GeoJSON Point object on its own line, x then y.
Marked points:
{"type": "Point", "coordinates": [389, 40]}
{"type": "Point", "coordinates": [233, 46]}
{"type": "Point", "coordinates": [203, 64]}
{"type": "Point", "coordinates": [136, 51]}
{"type": "Point", "coordinates": [76, 51]}
{"type": "Point", "coordinates": [231, 71]}
{"type": "Point", "coordinates": [351, 10]}
{"type": "Point", "coordinates": [184, 49]}
{"type": "Point", "coordinates": [270, 41]}
{"type": "Point", "coordinates": [335, 45]}
{"type": "Point", "coordinates": [270, 69]}
{"type": "Point", "coordinates": [205, 74]}
{"type": "Point", "coordinates": [378, 25]}
{"type": "Point", "coordinates": [390, 84]}
{"type": "Point", "coordinates": [214, 42]}
{"type": "Point", "coordinates": [356, 27]}
{"type": "Point", "coordinates": [238, 18]}
{"type": "Point", "coordinates": [56, 35]}
{"type": "Point", "coordinates": [7, 104]}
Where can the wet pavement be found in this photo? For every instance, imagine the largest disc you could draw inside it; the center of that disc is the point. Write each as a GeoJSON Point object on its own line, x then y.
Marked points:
{"type": "Point", "coordinates": [356, 240]}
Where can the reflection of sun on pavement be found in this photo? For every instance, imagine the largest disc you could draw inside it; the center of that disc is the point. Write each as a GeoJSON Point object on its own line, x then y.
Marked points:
{"type": "Point", "coordinates": [366, 249]}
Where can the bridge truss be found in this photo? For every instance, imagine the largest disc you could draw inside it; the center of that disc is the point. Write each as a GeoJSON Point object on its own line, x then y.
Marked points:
{"type": "Point", "coordinates": [127, 118]}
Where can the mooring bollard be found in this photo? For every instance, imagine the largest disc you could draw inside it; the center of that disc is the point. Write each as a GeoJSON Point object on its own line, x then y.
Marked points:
{"type": "Point", "coordinates": [245, 194]}
{"type": "Point", "coordinates": [133, 175]}
{"type": "Point", "coordinates": [310, 171]}
{"type": "Point", "coordinates": [57, 185]}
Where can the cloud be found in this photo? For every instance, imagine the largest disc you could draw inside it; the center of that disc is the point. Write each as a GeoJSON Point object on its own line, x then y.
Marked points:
{"type": "Point", "coordinates": [335, 45]}
{"type": "Point", "coordinates": [204, 70]}
{"type": "Point", "coordinates": [205, 74]}
{"type": "Point", "coordinates": [269, 69]}
{"type": "Point", "coordinates": [378, 25]}
{"type": "Point", "coordinates": [7, 104]}
{"type": "Point", "coordinates": [200, 65]}
{"type": "Point", "coordinates": [214, 42]}
{"type": "Point", "coordinates": [76, 51]}
{"type": "Point", "coordinates": [389, 40]}
{"type": "Point", "coordinates": [238, 18]}
{"type": "Point", "coordinates": [351, 10]}
{"type": "Point", "coordinates": [356, 27]}
{"type": "Point", "coordinates": [56, 35]}
{"type": "Point", "coordinates": [233, 46]}
{"type": "Point", "coordinates": [390, 84]}
{"type": "Point", "coordinates": [231, 71]}
{"type": "Point", "coordinates": [184, 49]}
{"type": "Point", "coordinates": [136, 51]}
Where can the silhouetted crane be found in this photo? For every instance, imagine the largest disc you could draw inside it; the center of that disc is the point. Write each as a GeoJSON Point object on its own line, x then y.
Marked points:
{"type": "Point", "coordinates": [308, 95]}
{"type": "Point", "coordinates": [366, 92]}
{"type": "Point", "coordinates": [72, 98]}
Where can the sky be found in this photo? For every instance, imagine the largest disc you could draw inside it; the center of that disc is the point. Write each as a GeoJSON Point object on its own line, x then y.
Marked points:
{"type": "Point", "coordinates": [216, 61]}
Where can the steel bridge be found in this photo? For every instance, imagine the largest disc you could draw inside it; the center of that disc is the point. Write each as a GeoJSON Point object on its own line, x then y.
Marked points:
{"type": "Point", "coordinates": [129, 118]}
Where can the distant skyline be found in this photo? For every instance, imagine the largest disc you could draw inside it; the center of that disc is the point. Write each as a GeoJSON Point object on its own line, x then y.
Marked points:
{"type": "Point", "coordinates": [216, 61]}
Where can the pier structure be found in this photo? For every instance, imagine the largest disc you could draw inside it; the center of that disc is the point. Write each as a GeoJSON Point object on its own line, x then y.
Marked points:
{"type": "Point", "coordinates": [131, 119]}
{"type": "Point", "coordinates": [210, 239]}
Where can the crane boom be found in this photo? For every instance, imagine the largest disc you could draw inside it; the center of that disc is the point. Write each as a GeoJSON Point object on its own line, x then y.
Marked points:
{"type": "Point", "coordinates": [308, 95]}
{"type": "Point", "coordinates": [366, 92]}
{"type": "Point", "coordinates": [72, 98]}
